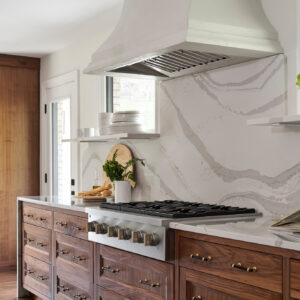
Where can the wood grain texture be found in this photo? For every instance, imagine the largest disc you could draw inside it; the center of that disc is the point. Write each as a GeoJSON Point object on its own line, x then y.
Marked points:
{"type": "Point", "coordinates": [132, 268]}
{"type": "Point", "coordinates": [269, 267]}
{"type": "Point", "coordinates": [19, 148]}
{"type": "Point", "coordinates": [103, 294]}
{"type": "Point", "coordinates": [208, 287]}
{"type": "Point", "coordinates": [295, 278]}
{"type": "Point", "coordinates": [19, 62]}
{"type": "Point", "coordinates": [37, 216]}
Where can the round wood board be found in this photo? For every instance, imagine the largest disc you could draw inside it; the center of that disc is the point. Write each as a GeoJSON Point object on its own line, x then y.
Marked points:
{"type": "Point", "coordinates": [123, 156]}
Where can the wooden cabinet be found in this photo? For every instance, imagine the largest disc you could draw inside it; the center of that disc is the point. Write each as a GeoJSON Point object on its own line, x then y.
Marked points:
{"type": "Point", "coordinates": [36, 216]}
{"type": "Point", "coordinates": [70, 225]}
{"type": "Point", "coordinates": [37, 242]}
{"type": "Point", "coordinates": [103, 294]}
{"type": "Point", "coordinates": [245, 266]}
{"type": "Point", "coordinates": [133, 276]}
{"type": "Point", "coordinates": [295, 278]}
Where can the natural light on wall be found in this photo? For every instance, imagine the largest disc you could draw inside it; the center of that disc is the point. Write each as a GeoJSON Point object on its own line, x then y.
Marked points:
{"type": "Point", "coordinates": [135, 94]}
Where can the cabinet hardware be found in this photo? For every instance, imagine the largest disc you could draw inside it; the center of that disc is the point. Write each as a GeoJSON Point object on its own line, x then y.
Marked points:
{"type": "Point", "coordinates": [80, 297]}
{"type": "Point", "coordinates": [41, 277]}
{"type": "Point", "coordinates": [79, 258]}
{"type": "Point", "coordinates": [75, 227]}
{"type": "Point", "coordinates": [146, 282]}
{"type": "Point", "coordinates": [28, 240]}
{"type": "Point", "coordinates": [203, 258]}
{"type": "Point", "coordinates": [62, 251]}
{"type": "Point", "coordinates": [41, 244]}
{"type": "Point", "coordinates": [61, 224]}
{"type": "Point", "coordinates": [28, 271]}
{"type": "Point", "coordinates": [196, 298]}
{"type": "Point", "coordinates": [241, 267]}
{"type": "Point", "coordinates": [28, 215]}
{"type": "Point", "coordinates": [109, 269]}
{"type": "Point", "coordinates": [63, 288]}
{"type": "Point", "coordinates": [40, 219]}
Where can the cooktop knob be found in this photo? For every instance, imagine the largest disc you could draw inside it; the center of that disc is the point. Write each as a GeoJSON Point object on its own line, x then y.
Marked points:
{"type": "Point", "coordinates": [124, 234]}
{"type": "Point", "coordinates": [112, 231]}
{"type": "Point", "coordinates": [101, 228]}
{"type": "Point", "coordinates": [151, 239]}
{"type": "Point", "coordinates": [137, 236]}
{"type": "Point", "coordinates": [90, 226]}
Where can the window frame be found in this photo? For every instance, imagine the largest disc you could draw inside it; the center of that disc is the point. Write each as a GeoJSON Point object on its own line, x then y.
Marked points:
{"type": "Point", "coordinates": [108, 107]}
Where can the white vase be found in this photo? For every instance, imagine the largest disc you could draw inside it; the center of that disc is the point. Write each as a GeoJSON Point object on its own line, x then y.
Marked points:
{"type": "Point", "coordinates": [122, 191]}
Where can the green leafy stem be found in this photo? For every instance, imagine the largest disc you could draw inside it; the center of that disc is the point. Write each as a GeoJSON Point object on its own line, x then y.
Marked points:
{"type": "Point", "coordinates": [117, 172]}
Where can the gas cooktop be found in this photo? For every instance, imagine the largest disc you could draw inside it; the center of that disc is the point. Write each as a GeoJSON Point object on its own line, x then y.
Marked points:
{"type": "Point", "coordinates": [177, 209]}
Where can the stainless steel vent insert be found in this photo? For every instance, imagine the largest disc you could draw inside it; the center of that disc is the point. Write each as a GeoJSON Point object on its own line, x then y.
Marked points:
{"type": "Point", "coordinates": [179, 60]}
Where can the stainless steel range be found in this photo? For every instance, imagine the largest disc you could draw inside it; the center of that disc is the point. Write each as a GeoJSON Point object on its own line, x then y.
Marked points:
{"type": "Point", "coordinates": [142, 227]}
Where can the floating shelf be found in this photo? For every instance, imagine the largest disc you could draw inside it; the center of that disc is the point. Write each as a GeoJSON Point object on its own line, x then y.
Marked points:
{"type": "Point", "coordinates": [275, 121]}
{"type": "Point", "coordinates": [117, 136]}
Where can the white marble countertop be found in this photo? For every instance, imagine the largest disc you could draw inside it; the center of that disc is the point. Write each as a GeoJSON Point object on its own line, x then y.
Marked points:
{"type": "Point", "coordinates": [69, 203]}
{"type": "Point", "coordinates": [253, 230]}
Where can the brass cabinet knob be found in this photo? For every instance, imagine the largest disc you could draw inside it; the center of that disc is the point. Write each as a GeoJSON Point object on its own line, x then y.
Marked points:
{"type": "Point", "coordinates": [196, 298]}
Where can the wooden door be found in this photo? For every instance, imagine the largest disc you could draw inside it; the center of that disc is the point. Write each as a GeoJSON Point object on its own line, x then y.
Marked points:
{"type": "Point", "coordinates": [19, 145]}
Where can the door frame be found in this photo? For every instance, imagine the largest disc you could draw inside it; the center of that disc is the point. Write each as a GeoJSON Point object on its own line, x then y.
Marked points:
{"type": "Point", "coordinates": [63, 85]}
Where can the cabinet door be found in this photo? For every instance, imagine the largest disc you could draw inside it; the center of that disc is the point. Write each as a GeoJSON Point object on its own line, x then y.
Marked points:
{"type": "Point", "coordinates": [103, 294]}
{"type": "Point", "coordinates": [196, 285]}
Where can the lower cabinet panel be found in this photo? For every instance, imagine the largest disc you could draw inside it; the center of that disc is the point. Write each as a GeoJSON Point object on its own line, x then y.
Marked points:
{"type": "Point", "coordinates": [69, 288]}
{"type": "Point", "coordinates": [197, 285]}
{"type": "Point", "coordinates": [102, 294]}
{"type": "Point", "coordinates": [37, 276]}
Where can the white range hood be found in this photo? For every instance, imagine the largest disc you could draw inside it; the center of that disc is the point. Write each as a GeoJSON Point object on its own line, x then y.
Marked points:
{"type": "Point", "coordinates": [171, 38]}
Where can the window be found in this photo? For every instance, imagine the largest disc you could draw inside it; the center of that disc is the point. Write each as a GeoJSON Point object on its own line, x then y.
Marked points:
{"type": "Point", "coordinates": [125, 93]}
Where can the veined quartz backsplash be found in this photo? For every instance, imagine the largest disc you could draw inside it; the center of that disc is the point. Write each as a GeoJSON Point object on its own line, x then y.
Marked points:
{"type": "Point", "coordinates": [206, 151]}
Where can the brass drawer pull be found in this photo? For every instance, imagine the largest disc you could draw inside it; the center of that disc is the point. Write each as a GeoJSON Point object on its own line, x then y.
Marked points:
{"type": "Point", "coordinates": [146, 282]}
{"type": "Point", "coordinates": [41, 277]}
{"type": "Point", "coordinates": [75, 227]}
{"type": "Point", "coordinates": [63, 288]}
{"type": "Point", "coordinates": [40, 244]}
{"type": "Point", "coordinates": [28, 271]}
{"type": "Point", "coordinates": [241, 267]}
{"type": "Point", "coordinates": [40, 219]}
{"type": "Point", "coordinates": [196, 298]}
{"type": "Point", "coordinates": [109, 269]}
{"type": "Point", "coordinates": [28, 215]}
{"type": "Point", "coordinates": [203, 258]}
{"type": "Point", "coordinates": [28, 240]}
{"type": "Point", "coordinates": [79, 258]}
{"type": "Point", "coordinates": [62, 252]}
{"type": "Point", "coordinates": [80, 297]}
{"type": "Point", "coordinates": [61, 224]}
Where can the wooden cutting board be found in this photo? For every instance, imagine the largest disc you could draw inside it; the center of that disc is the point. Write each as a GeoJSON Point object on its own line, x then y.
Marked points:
{"type": "Point", "coordinates": [123, 156]}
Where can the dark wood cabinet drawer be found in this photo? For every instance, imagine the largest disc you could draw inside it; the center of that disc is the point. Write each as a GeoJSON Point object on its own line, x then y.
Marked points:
{"type": "Point", "coordinates": [134, 276]}
{"type": "Point", "coordinates": [68, 287]}
{"type": "Point", "coordinates": [37, 216]}
{"type": "Point", "coordinates": [264, 271]}
{"type": "Point", "coordinates": [37, 275]}
{"type": "Point", "coordinates": [197, 285]}
{"type": "Point", "coordinates": [102, 294]}
{"type": "Point", "coordinates": [37, 242]}
{"type": "Point", "coordinates": [74, 256]}
{"type": "Point", "coordinates": [295, 278]}
{"type": "Point", "coordinates": [70, 225]}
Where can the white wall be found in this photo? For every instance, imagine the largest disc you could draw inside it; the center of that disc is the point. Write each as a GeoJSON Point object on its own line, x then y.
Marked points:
{"type": "Point", "coordinates": [206, 152]}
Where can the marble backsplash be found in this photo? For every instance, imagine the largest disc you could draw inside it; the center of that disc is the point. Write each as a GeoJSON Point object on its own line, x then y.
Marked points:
{"type": "Point", "coordinates": [206, 151]}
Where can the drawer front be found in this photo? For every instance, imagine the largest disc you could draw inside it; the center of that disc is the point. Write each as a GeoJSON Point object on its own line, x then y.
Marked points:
{"type": "Point", "coordinates": [144, 277]}
{"type": "Point", "coordinates": [295, 278]}
{"type": "Point", "coordinates": [264, 271]}
{"type": "Point", "coordinates": [37, 274]}
{"type": "Point", "coordinates": [197, 285]}
{"type": "Point", "coordinates": [102, 294]}
{"type": "Point", "coordinates": [70, 225]}
{"type": "Point", "coordinates": [37, 216]}
{"type": "Point", "coordinates": [68, 287]}
{"type": "Point", "coordinates": [37, 242]}
{"type": "Point", "coordinates": [74, 255]}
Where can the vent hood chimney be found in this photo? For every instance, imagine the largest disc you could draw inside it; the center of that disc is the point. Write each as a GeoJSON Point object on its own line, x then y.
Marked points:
{"type": "Point", "coordinates": [171, 38]}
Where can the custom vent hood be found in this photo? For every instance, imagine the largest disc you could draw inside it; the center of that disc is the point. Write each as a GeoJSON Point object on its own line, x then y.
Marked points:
{"type": "Point", "coordinates": [171, 38]}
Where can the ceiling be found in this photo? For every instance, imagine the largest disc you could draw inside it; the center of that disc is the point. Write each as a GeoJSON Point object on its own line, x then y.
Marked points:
{"type": "Point", "coordinates": [39, 27]}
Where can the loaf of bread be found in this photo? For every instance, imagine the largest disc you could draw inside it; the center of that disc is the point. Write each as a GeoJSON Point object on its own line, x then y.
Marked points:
{"type": "Point", "coordinates": [95, 192]}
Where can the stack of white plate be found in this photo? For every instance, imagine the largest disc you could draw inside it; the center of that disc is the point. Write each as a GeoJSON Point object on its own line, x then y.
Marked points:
{"type": "Point", "coordinates": [105, 123]}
